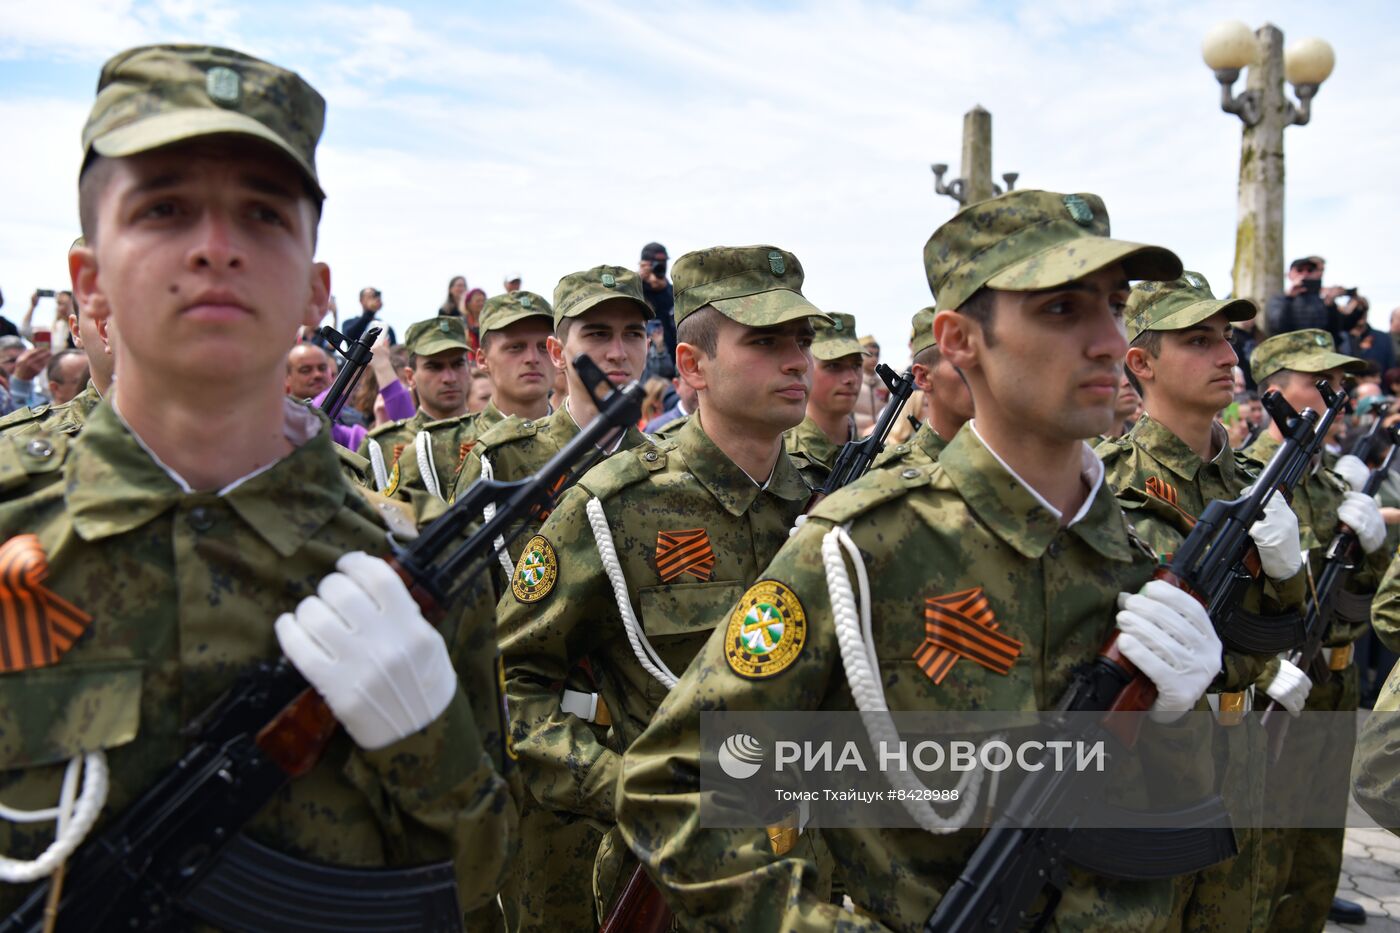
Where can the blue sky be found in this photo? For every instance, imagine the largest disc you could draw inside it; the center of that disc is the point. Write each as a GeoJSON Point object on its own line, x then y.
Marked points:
{"type": "Point", "coordinates": [483, 138]}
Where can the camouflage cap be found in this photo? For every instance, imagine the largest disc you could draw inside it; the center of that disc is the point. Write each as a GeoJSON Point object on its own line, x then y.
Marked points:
{"type": "Point", "coordinates": [504, 310]}
{"type": "Point", "coordinates": [1180, 303]}
{"type": "Point", "coordinates": [579, 291]}
{"type": "Point", "coordinates": [1303, 351]}
{"type": "Point", "coordinates": [836, 338]}
{"type": "Point", "coordinates": [1029, 240]}
{"type": "Point", "coordinates": [921, 334]}
{"type": "Point", "coordinates": [445, 332]}
{"type": "Point", "coordinates": [758, 286]}
{"type": "Point", "coordinates": [155, 95]}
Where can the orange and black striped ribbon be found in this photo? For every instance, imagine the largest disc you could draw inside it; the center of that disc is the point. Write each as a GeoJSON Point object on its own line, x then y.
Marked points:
{"type": "Point", "coordinates": [681, 552]}
{"type": "Point", "coordinates": [463, 449]}
{"type": "Point", "coordinates": [962, 625]}
{"type": "Point", "coordinates": [37, 627]}
{"type": "Point", "coordinates": [1164, 491]}
{"type": "Point", "coordinates": [398, 449]}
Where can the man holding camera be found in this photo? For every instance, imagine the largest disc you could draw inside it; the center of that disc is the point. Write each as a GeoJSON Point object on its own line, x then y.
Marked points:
{"type": "Point", "coordinates": [659, 294]}
{"type": "Point", "coordinates": [1306, 304]}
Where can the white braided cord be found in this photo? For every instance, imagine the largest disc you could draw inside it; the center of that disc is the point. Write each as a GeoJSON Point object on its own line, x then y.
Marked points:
{"type": "Point", "coordinates": [646, 655]}
{"type": "Point", "coordinates": [76, 813]}
{"type": "Point", "coordinates": [855, 640]}
{"type": "Point", "coordinates": [488, 472]}
{"type": "Point", "coordinates": [376, 462]}
{"type": "Point", "coordinates": [423, 448]}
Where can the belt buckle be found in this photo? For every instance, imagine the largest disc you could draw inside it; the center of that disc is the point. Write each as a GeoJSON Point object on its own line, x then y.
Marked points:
{"type": "Point", "coordinates": [1339, 659]}
{"type": "Point", "coordinates": [782, 836]}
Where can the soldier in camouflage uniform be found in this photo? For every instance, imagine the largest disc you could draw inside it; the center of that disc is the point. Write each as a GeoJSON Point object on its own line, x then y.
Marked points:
{"type": "Point", "coordinates": [90, 334]}
{"type": "Point", "coordinates": [437, 368]}
{"type": "Point", "coordinates": [1015, 517]}
{"type": "Point", "coordinates": [514, 328]}
{"type": "Point", "coordinates": [600, 312]}
{"type": "Point", "coordinates": [161, 545]}
{"type": "Point", "coordinates": [947, 400]}
{"type": "Point", "coordinates": [678, 530]}
{"type": "Point", "coordinates": [1376, 767]}
{"type": "Point", "coordinates": [1304, 864]}
{"type": "Point", "coordinates": [836, 373]}
{"type": "Point", "coordinates": [1165, 471]}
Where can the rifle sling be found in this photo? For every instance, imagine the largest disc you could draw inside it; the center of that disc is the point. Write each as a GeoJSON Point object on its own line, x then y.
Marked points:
{"type": "Point", "coordinates": [1252, 633]}
{"type": "Point", "coordinates": [253, 888]}
{"type": "Point", "coordinates": [1178, 842]}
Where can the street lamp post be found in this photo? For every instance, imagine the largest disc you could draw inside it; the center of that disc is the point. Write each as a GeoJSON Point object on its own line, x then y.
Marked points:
{"type": "Point", "coordinates": [1265, 111]}
{"type": "Point", "coordinates": [976, 181]}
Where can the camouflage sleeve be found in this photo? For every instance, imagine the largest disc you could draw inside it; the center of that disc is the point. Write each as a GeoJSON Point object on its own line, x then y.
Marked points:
{"type": "Point", "coordinates": [727, 879]}
{"type": "Point", "coordinates": [1376, 768]}
{"type": "Point", "coordinates": [548, 622]}
{"type": "Point", "coordinates": [1385, 608]}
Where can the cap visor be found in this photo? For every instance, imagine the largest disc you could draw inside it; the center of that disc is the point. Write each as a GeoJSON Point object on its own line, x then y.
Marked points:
{"type": "Point", "coordinates": [837, 348]}
{"type": "Point", "coordinates": [593, 301]}
{"type": "Point", "coordinates": [765, 309]}
{"type": "Point", "coordinates": [503, 323]}
{"type": "Point", "coordinates": [1074, 259]}
{"type": "Point", "coordinates": [433, 347]}
{"type": "Point", "coordinates": [1327, 360]}
{"type": "Point", "coordinates": [1234, 309]}
{"type": "Point", "coordinates": [165, 129]}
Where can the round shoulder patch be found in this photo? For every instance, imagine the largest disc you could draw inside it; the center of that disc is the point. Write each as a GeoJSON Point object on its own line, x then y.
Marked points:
{"type": "Point", "coordinates": [536, 571]}
{"type": "Point", "coordinates": [766, 631]}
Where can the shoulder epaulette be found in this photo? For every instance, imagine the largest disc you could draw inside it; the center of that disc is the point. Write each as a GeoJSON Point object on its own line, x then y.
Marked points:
{"type": "Point", "coordinates": [1247, 462]}
{"type": "Point", "coordinates": [445, 423]}
{"type": "Point", "coordinates": [397, 516]}
{"type": "Point", "coordinates": [355, 467]}
{"type": "Point", "coordinates": [514, 428]}
{"type": "Point", "coordinates": [874, 488]}
{"type": "Point", "coordinates": [390, 426]}
{"type": "Point", "coordinates": [23, 458]}
{"type": "Point", "coordinates": [625, 468]}
{"type": "Point", "coordinates": [24, 416]}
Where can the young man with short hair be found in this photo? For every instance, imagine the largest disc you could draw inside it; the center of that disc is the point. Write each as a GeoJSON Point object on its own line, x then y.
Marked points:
{"type": "Point", "coordinates": [1305, 864]}
{"type": "Point", "coordinates": [201, 521]}
{"type": "Point", "coordinates": [514, 328]}
{"type": "Point", "coordinates": [641, 559]}
{"type": "Point", "coordinates": [1175, 460]}
{"type": "Point", "coordinates": [836, 373]}
{"type": "Point", "coordinates": [947, 400]}
{"type": "Point", "coordinates": [602, 313]}
{"type": "Point", "coordinates": [1030, 293]}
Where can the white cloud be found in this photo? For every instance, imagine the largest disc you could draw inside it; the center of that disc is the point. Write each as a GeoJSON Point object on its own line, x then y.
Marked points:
{"type": "Point", "coordinates": [555, 138]}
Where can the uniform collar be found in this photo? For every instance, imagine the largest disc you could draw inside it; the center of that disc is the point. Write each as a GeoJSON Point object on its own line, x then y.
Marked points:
{"type": "Point", "coordinates": [114, 485]}
{"type": "Point", "coordinates": [1174, 453]}
{"type": "Point", "coordinates": [1019, 515]}
{"type": "Point", "coordinates": [730, 485]}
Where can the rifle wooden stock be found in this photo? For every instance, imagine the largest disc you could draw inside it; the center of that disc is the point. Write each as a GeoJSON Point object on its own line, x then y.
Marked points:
{"type": "Point", "coordinates": [640, 908]}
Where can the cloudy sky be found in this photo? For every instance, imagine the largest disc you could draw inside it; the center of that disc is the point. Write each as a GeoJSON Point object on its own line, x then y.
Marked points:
{"type": "Point", "coordinates": [544, 138]}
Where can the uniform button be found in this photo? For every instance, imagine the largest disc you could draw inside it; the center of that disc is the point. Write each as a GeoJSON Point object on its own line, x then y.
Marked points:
{"type": "Point", "coordinates": [39, 449]}
{"type": "Point", "coordinates": [1055, 548]}
{"type": "Point", "coordinates": [649, 456]}
{"type": "Point", "coordinates": [528, 424]}
{"type": "Point", "coordinates": [910, 473]}
{"type": "Point", "coordinates": [201, 519]}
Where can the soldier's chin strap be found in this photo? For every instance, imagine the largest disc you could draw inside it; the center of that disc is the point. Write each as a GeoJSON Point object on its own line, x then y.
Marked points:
{"type": "Point", "coordinates": [76, 813]}
{"type": "Point", "coordinates": [856, 642]}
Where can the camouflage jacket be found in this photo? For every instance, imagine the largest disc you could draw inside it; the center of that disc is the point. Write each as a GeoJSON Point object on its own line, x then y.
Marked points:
{"type": "Point", "coordinates": [1163, 487]}
{"type": "Point", "coordinates": [921, 450]}
{"type": "Point", "coordinates": [961, 528]}
{"type": "Point", "coordinates": [1315, 501]}
{"type": "Point", "coordinates": [691, 531]}
{"type": "Point", "coordinates": [67, 418]}
{"type": "Point", "coordinates": [392, 440]}
{"type": "Point", "coordinates": [812, 450]}
{"type": "Point", "coordinates": [183, 589]}
{"type": "Point", "coordinates": [518, 447]}
{"type": "Point", "coordinates": [449, 440]}
{"type": "Point", "coordinates": [1376, 768]}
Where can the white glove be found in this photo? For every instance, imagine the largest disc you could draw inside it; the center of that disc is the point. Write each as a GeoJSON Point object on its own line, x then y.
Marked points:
{"type": "Point", "coordinates": [362, 643]}
{"type": "Point", "coordinates": [1351, 469]}
{"type": "Point", "coordinates": [1362, 515]}
{"type": "Point", "coordinates": [1276, 538]}
{"type": "Point", "coordinates": [1290, 687]}
{"type": "Point", "coordinates": [1167, 634]}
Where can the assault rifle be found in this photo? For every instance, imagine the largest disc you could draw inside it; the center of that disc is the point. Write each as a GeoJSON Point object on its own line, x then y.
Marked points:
{"type": "Point", "coordinates": [1022, 855]}
{"type": "Point", "coordinates": [856, 456]}
{"type": "Point", "coordinates": [357, 355]}
{"type": "Point", "coordinates": [1343, 554]}
{"type": "Point", "coordinates": [177, 852]}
